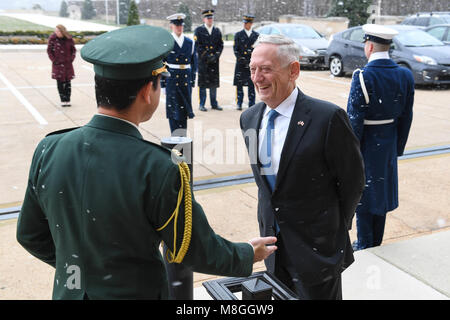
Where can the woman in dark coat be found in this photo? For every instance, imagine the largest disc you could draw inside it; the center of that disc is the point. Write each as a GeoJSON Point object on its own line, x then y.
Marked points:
{"type": "Point", "coordinates": [61, 51]}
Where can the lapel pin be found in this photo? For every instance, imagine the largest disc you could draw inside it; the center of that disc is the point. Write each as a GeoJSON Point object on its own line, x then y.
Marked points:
{"type": "Point", "coordinates": [301, 123]}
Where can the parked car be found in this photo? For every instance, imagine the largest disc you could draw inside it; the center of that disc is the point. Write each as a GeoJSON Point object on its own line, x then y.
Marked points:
{"type": "Point", "coordinates": [441, 32]}
{"type": "Point", "coordinates": [425, 19]}
{"type": "Point", "coordinates": [427, 57]}
{"type": "Point", "coordinates": [313, 45]}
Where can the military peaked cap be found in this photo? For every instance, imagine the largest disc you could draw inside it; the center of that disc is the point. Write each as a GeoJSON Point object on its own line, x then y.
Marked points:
{"type": "Point", "coordinates": [133, 52]}
{"type": "Point", "coordinates": [177, 19]}
{"type": "Point", "coordinates": [378, 34]}
{"type": "Point", "coordinates": [248, 18]}
{"type": "Point", "coordinates": [207, 13]}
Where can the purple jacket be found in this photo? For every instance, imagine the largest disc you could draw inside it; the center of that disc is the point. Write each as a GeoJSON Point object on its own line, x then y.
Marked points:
{"type": "Point", "coordinates": [61, 52]}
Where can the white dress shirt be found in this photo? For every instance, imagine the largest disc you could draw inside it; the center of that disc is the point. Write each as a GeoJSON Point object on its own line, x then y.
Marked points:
{"type": "Point", "coordinates": [209, 29]}
{"type": "Point", "coordinates": [281, 126]}
{"type": "Point", "coordinates": [379, 55]}
{"type": "Point", "coordinates": [179, 40]}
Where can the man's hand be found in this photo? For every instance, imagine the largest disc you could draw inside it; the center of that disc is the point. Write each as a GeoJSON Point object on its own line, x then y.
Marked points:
{"type": "Point", "coordinates": [262, 251]}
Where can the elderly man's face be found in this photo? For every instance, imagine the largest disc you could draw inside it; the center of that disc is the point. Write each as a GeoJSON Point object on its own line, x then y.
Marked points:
{"type": "Point", "coordinates": [273, 80]}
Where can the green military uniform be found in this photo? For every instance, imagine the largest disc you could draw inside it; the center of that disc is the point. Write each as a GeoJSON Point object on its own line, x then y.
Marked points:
{"type": "Point", "coordinates": [95, 199]}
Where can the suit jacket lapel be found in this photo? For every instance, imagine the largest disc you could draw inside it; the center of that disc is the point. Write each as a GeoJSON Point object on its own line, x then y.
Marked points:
{"type": "Point", "coordinates": [297, 127]}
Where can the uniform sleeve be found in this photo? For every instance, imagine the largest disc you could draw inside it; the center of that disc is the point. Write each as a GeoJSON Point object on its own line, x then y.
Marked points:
{"type": "Point", "coordinates": [208, 252]}
{"type": "Point", "coordinates": [236, 46]}
{"type": "Point", "coordinates": [346, 164]}
{"type": "Point", "coordinates": [356, 106]}
{"type": "Point", "coordinates": [33, 231]}
{"type": "Point", "coordinates": [219, 47]}
{"type": "Point", "coordinates": [194, 64]}
{"type": "Point", "coordinates": [405, 119]}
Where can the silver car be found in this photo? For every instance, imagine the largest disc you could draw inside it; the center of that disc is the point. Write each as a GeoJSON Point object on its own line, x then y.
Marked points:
{"type": "Point", "coordinates": [313, 45]}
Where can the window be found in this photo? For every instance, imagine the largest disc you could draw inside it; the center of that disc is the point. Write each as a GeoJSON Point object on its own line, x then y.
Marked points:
{"type": "Point", "coordinates": [437, 32]}
{"type": "Point", "coordinates": [422, 21]}
{"type": "Point", "coordinates": [357, 35]}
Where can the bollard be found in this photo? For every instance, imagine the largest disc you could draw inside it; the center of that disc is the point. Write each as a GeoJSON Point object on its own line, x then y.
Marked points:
{"type": "Point", "coordinates": [181, 279]}
{"type": "Point", "coordinates": [259, 286]}
{"type": "Point", "coordinates": [256, 289]}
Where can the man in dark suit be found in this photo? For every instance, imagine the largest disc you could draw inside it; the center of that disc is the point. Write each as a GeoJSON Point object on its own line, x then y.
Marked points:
{"type": "Point", "coordinates": [309, 172]}
{"type": "Point", "coordinates": [243, 47]}
{"type": "Point", "coordinates": [380, 108]}
{"type": "Point", "coordinates": [209, 44]}
{"type": "Point", "coordinates": [100, 199]}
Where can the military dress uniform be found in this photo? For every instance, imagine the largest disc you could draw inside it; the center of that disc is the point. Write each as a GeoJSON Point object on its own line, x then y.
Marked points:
{"type": "Point", "coordinates": [100, 198]}
{"type": "Point", "coordinates": [209, 48]}
{"type": "Point", "coordinates": [182, 65]}
{"type": "Point", "coordinates": [243, 48]}
{"type": "Point", "coordinates": [380, 111]}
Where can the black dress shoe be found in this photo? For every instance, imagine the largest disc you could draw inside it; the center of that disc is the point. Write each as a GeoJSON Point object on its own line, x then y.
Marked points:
{"type": "Point", "coordinates": [217, 108]}
{"type": "Point", "coordinates": [202, 108]}
{"type": "Point", "coordinates": [239, 108]}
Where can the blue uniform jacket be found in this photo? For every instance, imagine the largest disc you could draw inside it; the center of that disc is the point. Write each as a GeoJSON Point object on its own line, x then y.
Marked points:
{"type": "Point", "coordinates": [391, 94]}
{"type": "Point", "coordinates": [181, 81]}
{"type": "Point", "coordinates": [243, 48]}
{"type": "Point", "coordinates": [209, 49]}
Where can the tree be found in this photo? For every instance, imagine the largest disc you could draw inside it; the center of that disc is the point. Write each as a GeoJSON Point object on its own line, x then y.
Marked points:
{"type": "Point", "coordinates": [88, 11]}
{"type": "Point", "coordinates": [63, 9]}
{"type": "Point", "coordinates": [183, 8]}
{"type": "Point", "coordinates": [354, 10]}
{"type": "Point", "coordinates": [133, 14]}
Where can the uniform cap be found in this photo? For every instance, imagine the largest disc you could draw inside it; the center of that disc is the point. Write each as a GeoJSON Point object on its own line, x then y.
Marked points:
{"type": "Point", "coordinates": [133, 52]}
{"type": "Point", "coordinates": [177, 19]}
{"type": "Point", "coordinates": [378, 33]}
{"type": "Point", "coordinates": [207, 13]}
{"type": "Point", "coordinates": [248, 18]}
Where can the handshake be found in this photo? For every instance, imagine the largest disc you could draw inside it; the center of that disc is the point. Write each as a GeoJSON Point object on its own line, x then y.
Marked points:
{"type": "Point", "coordinates": [263, 247]}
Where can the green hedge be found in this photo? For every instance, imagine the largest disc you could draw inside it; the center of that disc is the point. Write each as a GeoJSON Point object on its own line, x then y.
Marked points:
{"type": "Point", "coordinates": [41, 37]}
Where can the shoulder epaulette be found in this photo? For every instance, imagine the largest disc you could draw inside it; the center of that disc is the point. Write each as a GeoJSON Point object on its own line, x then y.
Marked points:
{"type": "Point", "coordinates": [61, 131]}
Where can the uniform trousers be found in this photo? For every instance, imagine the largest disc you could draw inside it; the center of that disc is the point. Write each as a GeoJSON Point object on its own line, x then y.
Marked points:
{"type": "Point", "coordinates": [178, 127]}
{"type": "Point", "coordinates": [64, 90]}
{"type": "Point", "coordinates": [327, 290]}
{"type": "Point", "coordinates": [370, 229]}
{"type": "Point", "coordinates": [251, 94]}
{"type": "Point", "coordinates": [212, 96]}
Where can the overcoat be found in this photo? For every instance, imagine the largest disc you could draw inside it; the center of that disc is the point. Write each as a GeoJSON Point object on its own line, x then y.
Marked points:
{"type": "Point", "coordinates": [182, 65]}
{"type": "Point", "coordinates": [209, 48]}
{"type": "Point", "coordinates": [61, 52]}
{"type": "Point", "coordinates": [319, 183]}
{"type": "Point", "coordinates": [96, 196]}
{"type": "Point", "coordinates": [243, 48]}
{"type": "Point", "coordinates": [391, 97]}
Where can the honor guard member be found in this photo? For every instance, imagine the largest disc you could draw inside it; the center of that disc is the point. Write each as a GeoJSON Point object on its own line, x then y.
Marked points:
{"type": "Point", "coordinates": [209, 44]}
{"type": "Point", "coordinates": [380, 108]}
{"type": "Point", "coordinates": [243, 47]}
{"type": "Point", "coordinates": [100, 198]}
{"type": "Point", "coordinates": [182, 64]}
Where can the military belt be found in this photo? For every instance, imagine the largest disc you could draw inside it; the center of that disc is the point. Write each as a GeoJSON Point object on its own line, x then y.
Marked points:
{"type": "Point", "coordinates": [377, 122]}
{"type": "Point", "coordinates": [179, 66]}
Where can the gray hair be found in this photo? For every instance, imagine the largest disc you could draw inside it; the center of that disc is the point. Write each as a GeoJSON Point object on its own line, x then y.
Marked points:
{"type": "Point", "coordinates": [288, 50]}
